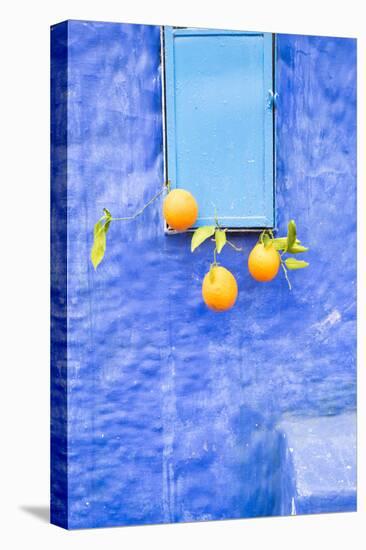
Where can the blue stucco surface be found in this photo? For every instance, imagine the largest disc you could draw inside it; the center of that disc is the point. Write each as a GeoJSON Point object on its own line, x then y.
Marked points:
{"type": "Point", "coordinates": [163, 411]}
{"type": "Point", "coordinates": [320, 457]}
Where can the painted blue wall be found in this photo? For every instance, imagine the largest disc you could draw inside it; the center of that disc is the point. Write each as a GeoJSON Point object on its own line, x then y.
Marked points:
{"type": "Point", "coordinates": [168, 411]}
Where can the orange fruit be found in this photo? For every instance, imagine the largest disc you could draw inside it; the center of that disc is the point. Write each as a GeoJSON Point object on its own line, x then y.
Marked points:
{"type": "Point", "coordinates": [219, 289]}
{"type": "Point", "coordinates": [180, 209]}
{"type": "Point", "coordinates": [264, 262]}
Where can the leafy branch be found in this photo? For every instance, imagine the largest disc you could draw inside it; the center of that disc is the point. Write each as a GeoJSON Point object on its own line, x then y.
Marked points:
{"type": "Point", "coordinates": [101, 228]}
{"type": "Point", "coordinates": [286, 245]}
{"type": "Point", "coordinates": [219, 238]}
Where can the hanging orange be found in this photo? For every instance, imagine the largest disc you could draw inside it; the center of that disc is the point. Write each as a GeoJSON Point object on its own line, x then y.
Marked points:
{"type": "Point", "coordinates": [219, 289]}
{"type": "Point", "coordinates": [264, 262]}
{"type": "Point", "coordinates": [180, 209]}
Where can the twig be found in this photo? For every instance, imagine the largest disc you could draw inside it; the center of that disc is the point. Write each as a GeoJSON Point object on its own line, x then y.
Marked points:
{"type": "Point", "coordinates": [127, 218]}
{"type": "Point", "coordinates": [233, 246]}
{"type": "Point", "coordinates": [285, 272]}
{"type": "Point", "coordinates": [217, 220]}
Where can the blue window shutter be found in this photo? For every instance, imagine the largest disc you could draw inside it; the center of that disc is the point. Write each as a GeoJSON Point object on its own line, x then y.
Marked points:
{"type": "Point", "coordinates": [219, 123]}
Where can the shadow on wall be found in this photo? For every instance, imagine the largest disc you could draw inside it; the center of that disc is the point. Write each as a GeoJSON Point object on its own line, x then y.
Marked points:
{"type": "Point", "coordinates": [261, 475]}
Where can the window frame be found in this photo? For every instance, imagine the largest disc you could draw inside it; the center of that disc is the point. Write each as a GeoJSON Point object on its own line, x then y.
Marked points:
{"type": "Point", "coordinates": [269, 65]}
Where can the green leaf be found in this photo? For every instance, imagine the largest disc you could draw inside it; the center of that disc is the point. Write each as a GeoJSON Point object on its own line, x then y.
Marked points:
{"type": "Point", "coordinates": [291, 263]}
{"type": "Point", "coordinates": [220, 239]}
{"type": "Point", "coordinates": [107, 213]}
{"type": "Point", "coordinates": [100, 242]}
{"type": "Point", "coordinates": [200, 235]}
{"type": "Point", "coordinates": [266, 240]}
{"type": "Point", "coordinates": [280, 243]}
{"type": "Point", "coordinates": [291, 234]}
{"type": "Point", "coordinates": [297, 249]}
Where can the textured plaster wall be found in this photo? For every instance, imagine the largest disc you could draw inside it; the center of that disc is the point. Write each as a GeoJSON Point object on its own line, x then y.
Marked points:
{"type": "Point", "coordinates": [171, 411]}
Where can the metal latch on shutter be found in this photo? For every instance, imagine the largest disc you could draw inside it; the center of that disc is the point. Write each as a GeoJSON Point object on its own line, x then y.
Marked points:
{"type": "Point", "coordinates": [272, 100]}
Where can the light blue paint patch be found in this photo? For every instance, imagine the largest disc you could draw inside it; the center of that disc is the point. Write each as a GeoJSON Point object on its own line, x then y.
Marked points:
{"type": "Point", "coordinates": [219, 123]}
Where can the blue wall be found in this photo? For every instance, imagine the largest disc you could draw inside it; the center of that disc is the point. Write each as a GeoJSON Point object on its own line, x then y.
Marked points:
{"type": "Point", "coordinates": [172, 412]}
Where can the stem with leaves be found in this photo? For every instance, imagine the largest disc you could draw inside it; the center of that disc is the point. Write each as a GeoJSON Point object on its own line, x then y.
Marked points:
{"type": "Point", "coordinates": [286, 245]}
{"type": "Point", "coordinates": [219, 238]}
{"type": "Point", "coordinates": [102, 226]}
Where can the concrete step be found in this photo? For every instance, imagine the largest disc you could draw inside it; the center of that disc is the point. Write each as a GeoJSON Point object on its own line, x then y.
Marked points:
{"type": "Point", "coordinates": [320, 463]}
